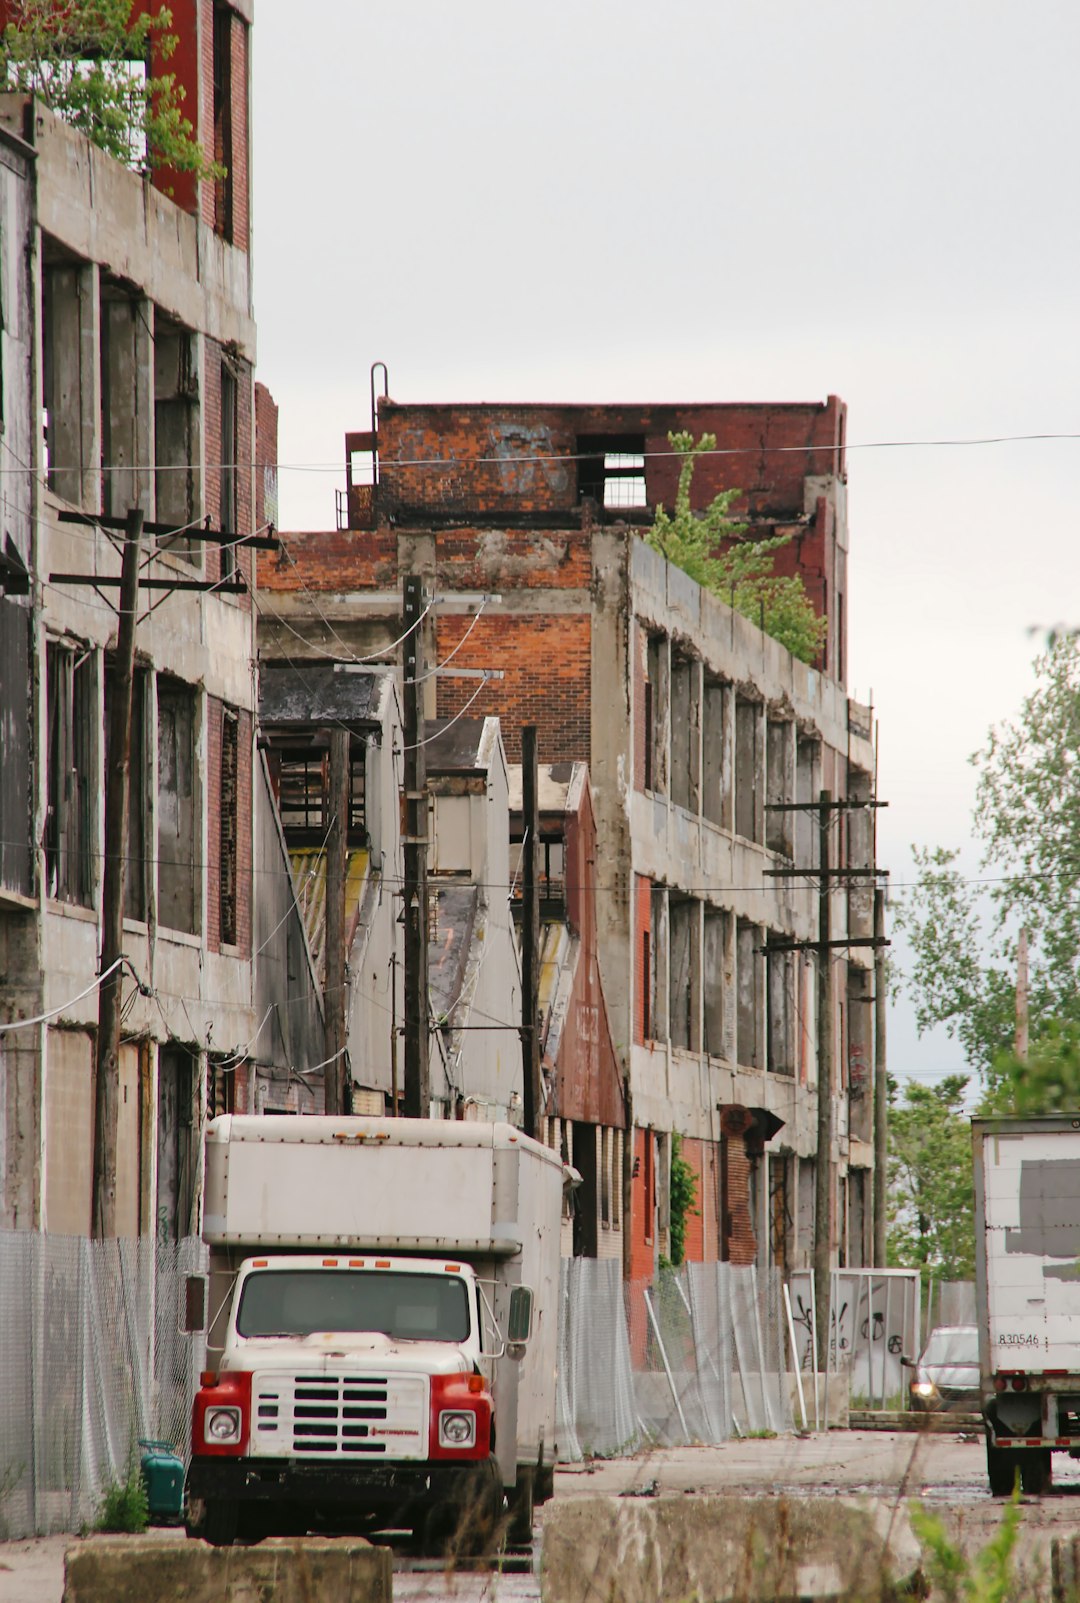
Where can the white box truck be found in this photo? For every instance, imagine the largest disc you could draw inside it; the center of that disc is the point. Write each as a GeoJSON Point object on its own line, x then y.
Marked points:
{"type": "Point", "coordinates": [1027, 1287]}
{"type": "Point", "coordinates": [381, 1348]}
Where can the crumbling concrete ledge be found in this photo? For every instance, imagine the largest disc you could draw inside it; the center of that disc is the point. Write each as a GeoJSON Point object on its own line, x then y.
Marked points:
{"type": "Point", "coordinates": [117, 1569]}
{"type": "Point", "coordinates": [715, 1549]}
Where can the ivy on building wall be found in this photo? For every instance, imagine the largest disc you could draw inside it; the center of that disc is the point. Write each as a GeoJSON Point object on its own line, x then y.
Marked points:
{"type": "Point", "coordinates": [742, 575]}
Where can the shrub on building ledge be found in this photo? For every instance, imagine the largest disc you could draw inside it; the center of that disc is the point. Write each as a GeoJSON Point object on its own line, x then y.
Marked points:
{"type": "Point", "coordinates": [743, 574]}
{"type": "Point", "coordinates": [87, 61]}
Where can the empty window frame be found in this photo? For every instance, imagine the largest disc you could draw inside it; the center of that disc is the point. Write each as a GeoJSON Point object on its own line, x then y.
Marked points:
{"type": "Point", "coordinates": [228, 478]}
{"type": "Point", "coordinates": [779, 785]}
{"type": "Point", "coordinates": [657, 978]}
{"type": "Point", "coordinates": [715, 763]}
{"type": "Point", "coordinates": [16, 768]}
{"type": "Point", "coordinates": [749, 986]}
{"type": "Point", "coordinates": [224, 153]}
{"type": "Point", "coordinates": [72, 783]}
{"type": "Point", "coordinates": [220, 1086]}
{"type": "Point", "coordinates": [685, 732]}
{"type": "Point", "coordinates": [178, 807]}
{"type": "Point", "coordinates": [137, 882]}
{"type": "Point", "coordinates": [228, 819]}
{"type": "Point", "coordinates": [714, 964]}
{"type": "Point", "coordinates": [611, 470]}
{"type": "Point", "coordinates": [807, 789]}
{"type": "Point", "coordinates": [177, 1142]}
{"type": "Point", "coordinates": [749, 778]}
{"type": "Point", "coordinates": [177, 433]}
{"type": "Point", "coordinates": [780, 1007]}
{"type": "Point", "coordinates": [657, 714]}
{"type": "Point", "coordinates": [300, 774]}
{"type": "Point", "coordinates": [683, 983]}
{"type": "Point", "coordinates": [606, 1185]}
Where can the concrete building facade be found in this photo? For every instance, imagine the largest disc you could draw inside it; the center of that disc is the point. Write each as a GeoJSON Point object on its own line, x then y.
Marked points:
{"type": "Point", "coordinates": [128, 350]}
{"type": "Point", "coordinates": [695, 726]}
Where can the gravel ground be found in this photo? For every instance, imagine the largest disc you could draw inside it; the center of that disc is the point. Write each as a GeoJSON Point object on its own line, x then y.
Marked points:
{"type": "Point", "coordinates": [946, 1473]}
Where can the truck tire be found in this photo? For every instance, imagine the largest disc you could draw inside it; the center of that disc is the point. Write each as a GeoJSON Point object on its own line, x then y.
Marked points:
{"type": "Point", "coordinates": [1002, 1464]}
{"type": "Point", "coordinates": [522, 1508]}
{"type": "Point", "coordinates": [472, 1525]}
{"type": "Point", "coordinates": [221, 1523]}
{"type": "Point", "coordinates": [1036, 1472]}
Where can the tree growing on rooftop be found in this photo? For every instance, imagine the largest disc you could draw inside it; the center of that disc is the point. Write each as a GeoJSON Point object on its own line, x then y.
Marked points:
{"type": "Point", "coordinates": [742, 575]}
{"type": "Point", "coordinates": [88, 61]}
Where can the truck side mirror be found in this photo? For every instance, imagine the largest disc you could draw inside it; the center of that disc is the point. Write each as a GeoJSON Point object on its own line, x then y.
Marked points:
{"type": "Point", "coordinates": [194, 1304]}
{"type": "Point", "coordinates": [519, 1323]}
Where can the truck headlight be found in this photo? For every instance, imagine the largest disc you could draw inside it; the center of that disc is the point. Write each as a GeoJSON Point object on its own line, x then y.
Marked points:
{"type": "Point", "coordinates": [457, 1428]}
{"type": "Point", "coordinates": [924, 1388]}
{"type": "Point", "coordinates": [222, 1425]}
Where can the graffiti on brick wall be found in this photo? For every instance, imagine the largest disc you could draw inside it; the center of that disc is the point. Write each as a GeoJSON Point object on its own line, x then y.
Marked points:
{"type": "Point", "coordinates": [514, 445]}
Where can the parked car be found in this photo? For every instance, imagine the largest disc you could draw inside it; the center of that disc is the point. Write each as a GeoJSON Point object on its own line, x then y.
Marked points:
{"type": "Point", "coordinates": [946, 1375]}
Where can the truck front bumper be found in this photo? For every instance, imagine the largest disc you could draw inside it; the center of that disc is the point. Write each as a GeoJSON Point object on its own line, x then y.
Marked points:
{"type": "Point", "coordinates": [334, 1488]}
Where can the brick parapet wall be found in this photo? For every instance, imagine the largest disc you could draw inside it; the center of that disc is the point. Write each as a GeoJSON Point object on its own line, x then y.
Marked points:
{"type": "Point", "coordinates": [546, 663]}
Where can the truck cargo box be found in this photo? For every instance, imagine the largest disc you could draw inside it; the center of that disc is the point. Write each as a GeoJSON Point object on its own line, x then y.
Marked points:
{"type": "Point", "coordinates": [428, 1186]}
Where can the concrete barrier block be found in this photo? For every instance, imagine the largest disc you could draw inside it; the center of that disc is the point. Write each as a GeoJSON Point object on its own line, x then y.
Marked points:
{"type": "Point", "coordinates": [119, 1569]}
{"type": "Point", "coordinates": [719, 1549]}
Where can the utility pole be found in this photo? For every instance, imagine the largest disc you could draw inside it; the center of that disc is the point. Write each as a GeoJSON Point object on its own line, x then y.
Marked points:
{"type": "Point", "coordinates": [881, 1083]}
{"type": "Point", "coordinates": [826, 872]}
{"type": "Point", "coordinates": [823, 1193]}
{"type": "Point", "coordinates": [117, 792]}
{"type": "Point", "coordinates": [335, 1081]}
{"type": "Point", "coordinates": [417, 1091]}
{"type": "Point", "coordinates": [530, 932]}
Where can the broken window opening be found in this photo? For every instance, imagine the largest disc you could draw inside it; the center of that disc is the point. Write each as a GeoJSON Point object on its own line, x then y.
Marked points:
{"type": "Point", "coordinates": [551, 874]}
{"type": "Point", "coordinates": [657, 714]}
{"type": "Point", "coordinates": [685, 733]}
{"type": "Point", "coordinates": [713, 982]}
{"type": "Point", "coordinates": [223, 119]}
{"type": "Point", "coordinates": [749, 778]}
{"type": "Point", "coordinates": [300, 775]}
{"type": "Point", "coordinates": [780, 988]}
{"type": "Point", "coordinates": [807, 789]}
{"type": "Point", "coordinates": [16, 769]}
{"type": "Point", "coordinates": [749, 985]}
{"type": "Point", "coordinates": [227, 825]}
{"type": "Point", "coordinates": [178, 807]}
{"type": "Point", "coordinates": [71, 697]}
{"type": "Point", "coordinates": [605, 1177]}
{"type": "Point", "coordinates": [228, 512]}
{"type": "Point", "coordinates": [715, 768]}
{"type": "Point", "coordinates": [683, 981]}
{"type": "Point", "coordinates": [611, 471]}
{"type": "Point", "coordinates": [70, 361]}
{"type": "Point", "coordinates": [177, 437]}
{"type": "Point", "coordinates": [779, 785]}
{"type": "Point", "coordinates": [177, 1143]}
{"type": "Point", "coordinates": [220, 1086]}
{"type": "Point", "coordinates": [658, 973]}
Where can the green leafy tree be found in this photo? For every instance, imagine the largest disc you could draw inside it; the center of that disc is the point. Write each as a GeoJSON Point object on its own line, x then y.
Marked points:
{"type": "Point", "coordinates": [683, 1195]}
{"type": "Point", "coordinates": [963, 944]}
{"type": "Point", "coordinates": [742, 574]}
{"type": "Point", "coordinates": [931, 1182]}
{"type": "Point", "coordinates": [88, 61]}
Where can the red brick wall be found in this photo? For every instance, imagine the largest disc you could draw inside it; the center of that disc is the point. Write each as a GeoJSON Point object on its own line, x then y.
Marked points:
{"type": "Point", "coordinates": [546, 663]}
{"type": "Point", "coordinates": [333, 560]}
{"type": "Point", "coordinates": [738, 1225]}
{"type": "Point", "coordinates": [266, 457]}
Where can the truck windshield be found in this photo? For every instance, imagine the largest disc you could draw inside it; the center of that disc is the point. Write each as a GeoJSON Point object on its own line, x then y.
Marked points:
{"type": "Point", "coordinates": [296, 1302]}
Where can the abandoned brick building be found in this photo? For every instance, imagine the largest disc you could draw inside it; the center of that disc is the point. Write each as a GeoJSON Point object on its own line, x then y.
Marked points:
{"type": "Point", "coordinates": [526, 522]}
{"type": "Point", "coordinates": [127, 374]}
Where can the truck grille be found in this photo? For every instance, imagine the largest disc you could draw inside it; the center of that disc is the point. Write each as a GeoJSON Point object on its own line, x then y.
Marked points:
{"type": "Point", "coordinates": [339, 1416]}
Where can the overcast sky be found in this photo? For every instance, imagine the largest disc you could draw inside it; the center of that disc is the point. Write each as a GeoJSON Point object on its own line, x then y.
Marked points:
{"type": "Point", "coordinates": [592, 200]}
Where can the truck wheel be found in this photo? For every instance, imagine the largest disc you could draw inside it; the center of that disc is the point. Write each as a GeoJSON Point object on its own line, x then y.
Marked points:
{"type": "Point", "coordinates": [522, 1509]}
{"type": "Point", "coordinates": [221, 1523]}
{"type": "Point", "coordinates": [472, 1525]}
{"type": "Point", "coordinates": [1002, 1464]}
{"type": "Point", "coordinates": [1036, 1473]}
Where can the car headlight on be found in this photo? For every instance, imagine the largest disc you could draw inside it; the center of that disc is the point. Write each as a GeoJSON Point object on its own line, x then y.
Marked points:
{"type": "Point", "coordinates": [457, 1428]}
{"type": "Point", "coordinates": [222, 1425]}
{"type": "Point", "coordinates": [924, 1388]}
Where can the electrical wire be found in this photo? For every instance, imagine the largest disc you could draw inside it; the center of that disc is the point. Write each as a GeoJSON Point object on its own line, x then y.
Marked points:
{"type": "Point", "coordinates": [450, 721]}
{"type": "Point", "coordinates": [40, 1018]}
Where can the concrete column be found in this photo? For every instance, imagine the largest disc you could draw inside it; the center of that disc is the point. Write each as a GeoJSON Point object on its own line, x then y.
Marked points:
{"type": "Point", "coordinates": [73, 383]}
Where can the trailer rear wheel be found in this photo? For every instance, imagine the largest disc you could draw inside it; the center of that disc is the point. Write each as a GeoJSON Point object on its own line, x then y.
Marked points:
{"type": "Point", "coordinates": [1036, 1472]}
{"type": "Point", "coordinates": [1002, 1464]}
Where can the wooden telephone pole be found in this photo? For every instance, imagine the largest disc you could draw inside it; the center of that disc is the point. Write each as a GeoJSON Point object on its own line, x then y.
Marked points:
{"type": "Point", "coordinates": [415, 841]}
{"type": "Point", "coordinates": [114, 879]}
{"type": "Point", "coordinates": [826, 874]}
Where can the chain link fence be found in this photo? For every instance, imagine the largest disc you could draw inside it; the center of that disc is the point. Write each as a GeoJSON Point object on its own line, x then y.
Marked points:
{"type": "Point", "coordinates": [699, 1356]}
{"type": "Point", "coordinates": [92, 1359]}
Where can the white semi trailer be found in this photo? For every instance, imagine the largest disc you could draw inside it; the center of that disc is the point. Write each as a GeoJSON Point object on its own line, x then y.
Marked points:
{"type": "Point", "coordinates": [1027, 1269]}
{"type": "Point", "coordinates": [381, 1347]}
